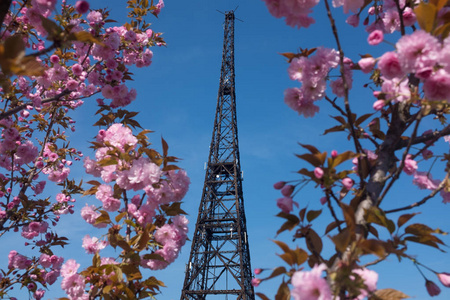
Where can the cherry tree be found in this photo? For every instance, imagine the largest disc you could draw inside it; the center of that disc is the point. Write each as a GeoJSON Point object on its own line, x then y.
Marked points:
{"type": "Point", "coordinates": [54, 56]}
{"type": "Point", "coordinates": [410, 89]}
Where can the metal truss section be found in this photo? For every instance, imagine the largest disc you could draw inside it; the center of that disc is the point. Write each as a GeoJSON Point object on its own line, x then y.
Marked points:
{"type": "Point", "coordinates": [219, 262]}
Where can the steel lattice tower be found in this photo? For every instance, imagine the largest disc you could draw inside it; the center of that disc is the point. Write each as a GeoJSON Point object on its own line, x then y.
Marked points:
{"type": "Point", "coordinates": [219, 262]}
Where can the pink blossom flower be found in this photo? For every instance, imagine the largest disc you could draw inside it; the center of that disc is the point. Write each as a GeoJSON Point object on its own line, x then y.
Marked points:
{"type": "Point", "coordinates": [93, 245]}
{"type": "Point", "coordinates": [390, 65]}
{"type": "Point", "coordinates": [310, 285]}
{"type": "Point", "coordinates": [432, 288]}
{"type": "Point", "coordinates": [437, 86]}
{"type": "Point", "coordinates": [417, 50]}
{"type": "Point", "coordinates": [410, 165]}
{"type": "Point", "coordinates": [69, 268]}
{"type": "Point", "coordinates": [294, 98]}
{"type": "Point", "coordinates": [424, 181]}
{"type": "Point", "coordinates": [369, 278]}
{"type": "Point", "coordinates": [349, 5]}
{"type": "Point", "coordinates": [375, 37]}
{"type": "Point", "coordinates": [353, 20]}
{"type": "Point", "coordinates": [257, 271]}
{"type": "Point", "coordinates": [444, 278]}
{"type": "Point", "coordinates": [366, 64]}
{"type": "Point", "coordinates": [285, 204]}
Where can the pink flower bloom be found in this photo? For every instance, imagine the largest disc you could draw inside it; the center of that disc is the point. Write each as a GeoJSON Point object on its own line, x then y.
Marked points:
{"type": "Point", "coordinates": [396, 90]}
{"type": "Point", "coordinates": [375, 37]}
{"type": "Point", "coordinates": [93, 245]}
{"type": "Point", "coordinates": [285, 204]}
{"type": "Point", "coordinates": [370, 279]}
{"type": "Point", "coordinates": [310, 285]}
{"type": "Point", "coordinates": [432, 288]}
{"type": "Point", "coordinates": [94, 17]}
{"type": "Point", "coordinates": [294, 98]}
{"type": "Point", "coordinates": [424, 181]}
{"type": "Point", "coordinates": [390, 65]}
{"type": "Point", "coordinates": [366, 64]}
{"type": "Point", "coordinates": [444, 278]}
{"type": "Point", "coordinates": [349, 5]}
{"type": "Point", "coordinates": [69, 268]}
{"type": "Point", "coordinates": [353, 20]}
{"type": "Point", "coordinates": [347, 183]}
{"type": "Point", "coordinates": [417, 50]}
{"type": "Point", "coordinates": [410, 165]}
{"type": "Point", "coordinates": [437, 86]}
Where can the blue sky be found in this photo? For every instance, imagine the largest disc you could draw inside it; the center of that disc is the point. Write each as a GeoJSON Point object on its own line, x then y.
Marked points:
{"type": "Point", "coordinates": [177, 99]}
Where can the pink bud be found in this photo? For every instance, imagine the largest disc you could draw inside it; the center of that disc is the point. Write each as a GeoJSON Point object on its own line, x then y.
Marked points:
{"type": "Point", "coordinates": [375, 37]}
{"type": "Point", "coordinates": [82, 7]}
{"type": "Point", "coordinates": [323, 200]}
{"type": "Point", "coordinates": [256, 281]}
{"type": "Point", "coordinates": [378, 105]}
{"type": "Point", "coordinates": [257, 271]}
{"type": "Point", "coordinates": [432, 288]}
{"type": "Point", "coordinates": [318, 172]}
{"type": "Point", "coordinates": [279, 185]}
{"type": "Point", "coordinates": [334, 154]}
{"type": "Point", "coordinates": [444, 278]}
{"type": "Point", "coordinates": [287, 190]}
{"type": "Point", "coordinates": [347, 183]}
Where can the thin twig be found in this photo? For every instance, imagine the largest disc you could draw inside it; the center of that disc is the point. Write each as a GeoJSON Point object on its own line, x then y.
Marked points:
{"type": "Point", "coordinates": [423, 201]}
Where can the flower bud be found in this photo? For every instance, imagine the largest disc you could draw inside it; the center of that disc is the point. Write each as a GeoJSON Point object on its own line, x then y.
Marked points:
{"type": "Point", "coordinates": [318, 172]}
{"type": "Point", "coordinates": [279, 185]}
{"type": "Point", "coordinates": [444, 278]}
{"type": "Point", "coordinates": [347, 183]}
{"type": "Point", "coordinates": [287, 190]}
{"type": "Point", "coordinates": [257, 271]}
{"type": "Point", "coordinates": [432, 288]}
{"type": "Point", "coordinates": [256, 281]}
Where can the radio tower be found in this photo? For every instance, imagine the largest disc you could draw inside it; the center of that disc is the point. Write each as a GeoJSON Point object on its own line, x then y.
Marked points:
{"type": "Point", "coordinates": [219, 262]}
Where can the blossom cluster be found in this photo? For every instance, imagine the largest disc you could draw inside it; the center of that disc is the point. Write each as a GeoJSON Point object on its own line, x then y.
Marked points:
{"type": "Point", "coordinates": [312, 72]}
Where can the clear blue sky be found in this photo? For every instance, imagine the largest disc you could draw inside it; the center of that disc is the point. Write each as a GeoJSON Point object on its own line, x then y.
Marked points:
{"type": "Point", "coordinates": [177, 99]}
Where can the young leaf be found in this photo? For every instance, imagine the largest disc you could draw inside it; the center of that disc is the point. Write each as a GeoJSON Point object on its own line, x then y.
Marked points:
{"type": "Point", "coordinates": [426, 15]}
